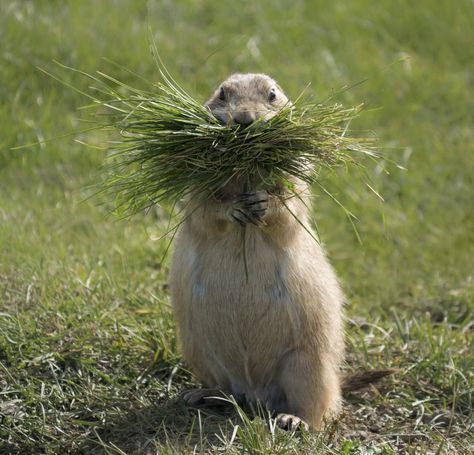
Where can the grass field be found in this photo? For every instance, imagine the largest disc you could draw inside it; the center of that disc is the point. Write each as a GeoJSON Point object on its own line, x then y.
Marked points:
{"type": "Point", "coordinates": [88, 353]}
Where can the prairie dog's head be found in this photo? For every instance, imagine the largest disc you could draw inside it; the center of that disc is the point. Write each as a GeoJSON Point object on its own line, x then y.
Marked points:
{"type": "Point", "coordinates": [243, 98]}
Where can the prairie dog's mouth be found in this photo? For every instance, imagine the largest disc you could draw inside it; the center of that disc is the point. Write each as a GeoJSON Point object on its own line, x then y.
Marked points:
{"type": "Point", "coordinates": [242, 119]}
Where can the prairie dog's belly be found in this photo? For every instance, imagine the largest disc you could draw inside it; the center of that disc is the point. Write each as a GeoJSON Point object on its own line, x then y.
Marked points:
{"type": "Point", "coordinates": [244, 324]}
{"type": "Point", "coordinates": [222, 291]}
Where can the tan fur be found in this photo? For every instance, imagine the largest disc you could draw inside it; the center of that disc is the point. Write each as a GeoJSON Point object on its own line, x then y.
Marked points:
{"type": "Point", "coordinates": [276, 335]}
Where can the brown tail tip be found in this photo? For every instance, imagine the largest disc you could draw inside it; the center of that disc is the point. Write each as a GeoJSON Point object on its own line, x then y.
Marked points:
{"type": "Point", "coordinates": [362, 379]}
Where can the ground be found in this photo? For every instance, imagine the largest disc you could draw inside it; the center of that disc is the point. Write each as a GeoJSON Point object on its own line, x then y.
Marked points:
{"type": "Point", "coordinates": [89, 360]}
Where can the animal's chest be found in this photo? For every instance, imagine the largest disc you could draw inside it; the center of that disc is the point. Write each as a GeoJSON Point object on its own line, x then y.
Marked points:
{"type": "Point", "coordinates": [241, 274]}
{"type": "Point", "coordinates": [239, 294]}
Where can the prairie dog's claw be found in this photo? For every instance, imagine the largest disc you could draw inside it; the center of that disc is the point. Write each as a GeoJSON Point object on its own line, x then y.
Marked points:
{"type": "Point", "coordinates": [291, 422]}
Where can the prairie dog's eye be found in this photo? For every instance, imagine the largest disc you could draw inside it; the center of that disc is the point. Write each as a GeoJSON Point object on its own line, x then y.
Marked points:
{"type": "Point", "coordinates": [272, 95]}
{"type": "Point", "coordinates": [222, 95]}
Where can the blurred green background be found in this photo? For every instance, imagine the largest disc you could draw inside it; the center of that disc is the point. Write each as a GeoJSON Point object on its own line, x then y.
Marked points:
{"type": "Point", "coordinates": [417, 64]}
{"type": "Point", "coordinates": [63, 258]}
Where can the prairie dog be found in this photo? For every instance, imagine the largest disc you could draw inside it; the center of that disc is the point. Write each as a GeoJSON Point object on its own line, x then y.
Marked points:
{"type": "Point", "coordinates": [275, 335]}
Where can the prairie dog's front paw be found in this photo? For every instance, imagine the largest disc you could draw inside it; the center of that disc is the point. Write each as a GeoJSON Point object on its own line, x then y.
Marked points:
{"type": "Point", "coordinates": [249, 208]}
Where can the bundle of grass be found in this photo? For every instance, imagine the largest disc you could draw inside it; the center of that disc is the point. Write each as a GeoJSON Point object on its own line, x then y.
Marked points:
{"type": "Point", "coordinates": [171, 145]}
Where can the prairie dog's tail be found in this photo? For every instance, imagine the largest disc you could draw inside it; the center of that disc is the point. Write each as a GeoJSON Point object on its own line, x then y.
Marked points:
{"type": "Point", "coordinates": [356, 381]}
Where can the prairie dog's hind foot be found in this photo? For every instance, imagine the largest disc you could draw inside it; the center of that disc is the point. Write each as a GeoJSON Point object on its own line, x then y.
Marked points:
{"type": "Point", "coordinates": [249, 208]}
{"type": "Point", "coordinates": [291, 422]}
{"type": "Point", "coordinates": [205, 397]}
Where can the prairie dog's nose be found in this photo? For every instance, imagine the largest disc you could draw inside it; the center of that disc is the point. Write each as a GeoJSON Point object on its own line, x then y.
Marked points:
{"type": "Point", "coordinates": [244, 118]}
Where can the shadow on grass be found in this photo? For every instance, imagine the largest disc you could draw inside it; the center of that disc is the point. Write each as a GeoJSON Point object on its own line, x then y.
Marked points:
{"type": "Point", "coordinates": [169, 424]}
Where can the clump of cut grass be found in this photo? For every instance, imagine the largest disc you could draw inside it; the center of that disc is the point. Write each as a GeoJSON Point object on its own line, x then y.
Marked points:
{"type": "Point", "coordinates": [170, 145]}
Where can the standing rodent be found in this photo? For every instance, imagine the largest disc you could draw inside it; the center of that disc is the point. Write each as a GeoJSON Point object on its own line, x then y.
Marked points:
{"type": "Point", "coordinates": [274, 335]}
